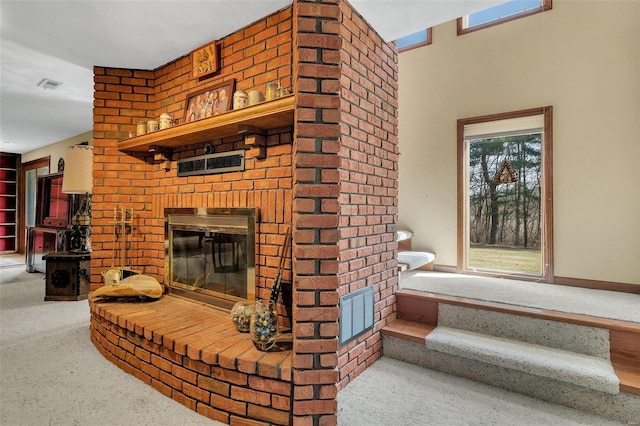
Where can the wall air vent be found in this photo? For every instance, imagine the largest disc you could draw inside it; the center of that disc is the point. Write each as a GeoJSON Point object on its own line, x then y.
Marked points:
{"type": "Point", "coordinates": [47, 84]}
{"type": "Point", "coordinates": [231, 161]}
{"type": "Point", "coordinates": [356, 314]}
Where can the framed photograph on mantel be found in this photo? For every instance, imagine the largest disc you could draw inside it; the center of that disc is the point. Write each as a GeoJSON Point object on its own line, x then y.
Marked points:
{"type": "Point", "coordinates": [209, 102]}
{"type": "Point", "coordinates": [204, 60]}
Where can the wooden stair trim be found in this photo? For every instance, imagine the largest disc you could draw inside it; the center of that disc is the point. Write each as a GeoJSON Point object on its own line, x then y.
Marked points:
{"type": "Point", "coordinates": [580, 319]}
{"type": "Point", "coordinates": [416, 308]}
{"type": "Point", "coordinates": [408, 330]}
{"type": "Point", "coordinates": [629, 378]}
{"type": "Point", "coordinates": [625, 347]}
{"type": "Point", "coordinates": [625, 357]}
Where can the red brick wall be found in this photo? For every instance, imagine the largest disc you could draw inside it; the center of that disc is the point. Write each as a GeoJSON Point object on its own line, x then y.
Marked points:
{"type": "Point", "coordinates": [253, 56]}
{"type": "Point", "coordinates": [368, 181]}
{"type": "Point", "coordinates": [316, 212]}
{"type": "Point", "coordinates": [345, 196]}
{"type": "Point", "coordinates": [345, 203]}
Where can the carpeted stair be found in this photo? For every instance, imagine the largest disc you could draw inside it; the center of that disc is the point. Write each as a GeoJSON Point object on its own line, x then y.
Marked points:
{"type": "Point", "coordinates": [567, 352]}
{"type": "Point", "coordinates": [562, 362]}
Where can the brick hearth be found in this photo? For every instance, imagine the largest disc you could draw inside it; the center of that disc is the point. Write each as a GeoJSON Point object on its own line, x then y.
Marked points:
{"type": "Point", "coordinates": [192, 353]}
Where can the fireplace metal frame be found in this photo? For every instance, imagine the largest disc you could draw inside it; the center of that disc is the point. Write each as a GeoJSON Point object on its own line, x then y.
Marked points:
{"type": "Point", "coordinates": [238, 221]}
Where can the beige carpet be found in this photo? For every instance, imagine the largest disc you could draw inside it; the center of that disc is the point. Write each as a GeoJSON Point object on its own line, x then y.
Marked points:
{"type": "Point", "coordinates": [11, 260]}
{"type": "Point", "coordinates": [51, 374]}
{"type": "Point", "coordinates": [598, 303]}
{"type": "Point", "coordinates": [392, 392]}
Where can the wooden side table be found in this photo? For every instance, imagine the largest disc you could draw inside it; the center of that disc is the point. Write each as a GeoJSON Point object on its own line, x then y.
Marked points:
{"type": "Point", "coordinates": [68, 275]}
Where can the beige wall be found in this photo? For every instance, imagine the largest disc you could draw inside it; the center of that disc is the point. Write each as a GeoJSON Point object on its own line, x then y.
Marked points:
{"type": "Point", "coordinates": [582, 58]}
{"type": "Point", "coordinates": [57, 150]}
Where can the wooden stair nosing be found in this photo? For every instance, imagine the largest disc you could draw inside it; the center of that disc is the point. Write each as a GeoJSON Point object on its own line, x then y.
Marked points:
{"type": "Point", "coordinates": [581, 319]}
{"type": "Point", "coordinates": [408, 330]}
{"type": "Point", "coordinates": [629, 377]}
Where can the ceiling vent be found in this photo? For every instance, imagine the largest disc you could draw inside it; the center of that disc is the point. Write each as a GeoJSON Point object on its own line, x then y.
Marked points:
{"type": "Point", "coordinates": [47, 84]}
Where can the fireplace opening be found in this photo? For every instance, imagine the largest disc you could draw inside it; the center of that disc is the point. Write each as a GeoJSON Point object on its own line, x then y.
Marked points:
{"type": "Point", "coordinates": [210, 254]}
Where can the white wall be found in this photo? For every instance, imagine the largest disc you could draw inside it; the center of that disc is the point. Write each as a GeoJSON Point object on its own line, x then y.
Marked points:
{"type": "Point", "coordinates": [582, 58]}
{"type": "Point", "coordinates": [57, 150]}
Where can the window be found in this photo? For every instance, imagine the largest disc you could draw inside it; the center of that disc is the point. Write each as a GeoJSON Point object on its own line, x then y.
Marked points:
{"type": "Point", "coordinates": [505, 195]}
{"type": "Point", "coordinates": [505, 12]}
{"type": "Point", "coordinates": [411, 41]}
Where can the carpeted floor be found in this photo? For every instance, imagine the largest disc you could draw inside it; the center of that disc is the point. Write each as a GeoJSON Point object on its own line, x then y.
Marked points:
{"type": "Point", "coordinates": [51, 374]}
{"type": "Point", "coordinates": [598, 303]}
{"type": "Point", "coordinates": [392, 392]}
{"type": "Point", "coordinates": [11, 260]}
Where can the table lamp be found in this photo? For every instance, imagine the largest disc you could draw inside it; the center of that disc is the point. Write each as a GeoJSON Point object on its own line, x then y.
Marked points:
{"type": "Point", "coordinates": [78, 180]}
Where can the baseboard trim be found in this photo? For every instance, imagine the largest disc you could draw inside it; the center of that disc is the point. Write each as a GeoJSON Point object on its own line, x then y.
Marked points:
{"type": "Point", "coordinates": [445, 268]}
{"type": "Point", "coordinates": [598, 285]}
{"type": "Point", "coordinates": [568, 281]}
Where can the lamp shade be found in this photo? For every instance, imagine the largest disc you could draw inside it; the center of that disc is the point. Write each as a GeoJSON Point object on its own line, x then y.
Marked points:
{"type": "Point", "coordinates": [78, 167]}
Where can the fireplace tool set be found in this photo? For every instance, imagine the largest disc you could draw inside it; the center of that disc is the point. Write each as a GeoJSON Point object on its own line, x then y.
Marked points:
{"type": "Point", "coordinates": [122, 280]}
{"type": "Point", "coordinates": [122, 232]}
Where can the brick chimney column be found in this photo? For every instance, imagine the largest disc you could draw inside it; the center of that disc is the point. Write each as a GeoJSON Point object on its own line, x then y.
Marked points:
{"type": "Point", "coordinates": [345, 159]}
{"type": "Point", "coordinates": [316, 190]}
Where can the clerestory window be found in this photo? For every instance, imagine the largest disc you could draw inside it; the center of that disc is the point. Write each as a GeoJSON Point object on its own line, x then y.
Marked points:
{"type": "Point", "coordinates": [412, 41]}
{"type": "Point", "coordinates": [505, 12]}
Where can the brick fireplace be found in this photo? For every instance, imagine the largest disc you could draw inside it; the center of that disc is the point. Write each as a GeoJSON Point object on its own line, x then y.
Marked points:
{"type": "Point", "coordinates": [210, 254]}
{"type": "Point", "coordinates": [330, 173]}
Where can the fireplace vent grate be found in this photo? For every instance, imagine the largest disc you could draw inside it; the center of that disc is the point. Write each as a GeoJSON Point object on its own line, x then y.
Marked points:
{"type": "Point", "coordinates": [231, 161]}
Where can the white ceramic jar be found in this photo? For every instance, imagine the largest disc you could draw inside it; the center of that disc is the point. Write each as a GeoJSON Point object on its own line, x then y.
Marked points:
{"type": "Point", "coordinates": [255, 97]}
{"type": "Point", "coordinates": [152, 126]}
{"type": "Point", "coordinates": [240, 99]}
{"type": "Point", "coordinates": [141, 129]}
{"type": "Point", "coordinates": [165, 121]}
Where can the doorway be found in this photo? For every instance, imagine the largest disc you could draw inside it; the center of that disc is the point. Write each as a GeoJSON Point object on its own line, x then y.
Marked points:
{"type": "Point", "coordinates": [30, 173]}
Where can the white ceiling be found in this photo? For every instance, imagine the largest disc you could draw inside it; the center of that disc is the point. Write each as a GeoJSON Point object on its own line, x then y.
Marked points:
{"type": "Point", "coordinates": [63, 40]}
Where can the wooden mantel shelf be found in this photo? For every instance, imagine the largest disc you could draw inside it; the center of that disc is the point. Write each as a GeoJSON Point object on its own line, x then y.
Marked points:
{"type": "Point", "coordinates": [263, 116]}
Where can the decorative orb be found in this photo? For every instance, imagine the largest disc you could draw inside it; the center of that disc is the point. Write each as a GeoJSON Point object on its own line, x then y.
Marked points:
{"type": "Point", "coordinates": [264, 325]}
{"type": "Point", "coordinates": [241, 316]}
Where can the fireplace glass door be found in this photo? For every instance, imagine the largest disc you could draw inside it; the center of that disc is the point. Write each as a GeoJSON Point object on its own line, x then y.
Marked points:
{"type": "Point", "coordinates": [211, 254]}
